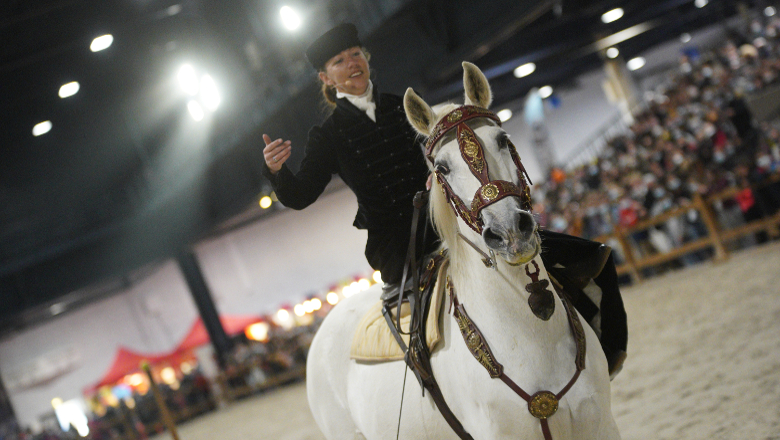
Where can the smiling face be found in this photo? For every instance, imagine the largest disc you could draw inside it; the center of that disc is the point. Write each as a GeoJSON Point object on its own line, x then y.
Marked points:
{"type": "Point", "coordinates": [347, 71]}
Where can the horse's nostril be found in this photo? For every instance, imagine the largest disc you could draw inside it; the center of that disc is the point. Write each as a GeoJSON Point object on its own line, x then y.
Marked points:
{"type": "Point", "coordinates": [491, 237]}
{"type": "Point", "coordinates": [526, 223]}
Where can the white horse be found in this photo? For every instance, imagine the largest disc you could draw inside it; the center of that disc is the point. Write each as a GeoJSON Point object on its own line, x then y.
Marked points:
{"type": "Point", "coordinates": [353, 400]}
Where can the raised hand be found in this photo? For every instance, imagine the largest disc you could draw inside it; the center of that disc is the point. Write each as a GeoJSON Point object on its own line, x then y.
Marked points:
{"type": "Point", "coordinates": [276, 153]}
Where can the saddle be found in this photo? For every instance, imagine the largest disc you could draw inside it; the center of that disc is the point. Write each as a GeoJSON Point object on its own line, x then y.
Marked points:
{"type": "Point", "coordinates": [375, 341]}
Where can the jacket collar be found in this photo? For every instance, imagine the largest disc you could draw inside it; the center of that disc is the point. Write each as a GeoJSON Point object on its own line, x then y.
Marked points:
{"type": "Point", "coordinates": [343, 104]}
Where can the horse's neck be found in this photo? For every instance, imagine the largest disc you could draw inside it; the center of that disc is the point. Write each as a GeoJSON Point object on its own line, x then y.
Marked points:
{"type": "Point", "coordinates": [497, 302]}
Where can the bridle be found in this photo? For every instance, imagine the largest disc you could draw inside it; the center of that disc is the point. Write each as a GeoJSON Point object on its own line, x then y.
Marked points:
{"type": "Point", "coordinates": [472, 151]}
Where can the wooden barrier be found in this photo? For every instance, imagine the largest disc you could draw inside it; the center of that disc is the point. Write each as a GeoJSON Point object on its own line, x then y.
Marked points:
{"type": "Point", "coordinates": [233, 392]}
{"type": "Point", "coordinates": [715, 238]}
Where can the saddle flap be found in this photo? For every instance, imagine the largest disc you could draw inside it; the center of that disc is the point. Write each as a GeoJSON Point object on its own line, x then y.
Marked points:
{"type": "Point", "coordinates": [374, 342]}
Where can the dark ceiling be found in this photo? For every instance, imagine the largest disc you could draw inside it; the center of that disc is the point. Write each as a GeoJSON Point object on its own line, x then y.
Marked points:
{"type": "Point", "coordinates": [125, 177]}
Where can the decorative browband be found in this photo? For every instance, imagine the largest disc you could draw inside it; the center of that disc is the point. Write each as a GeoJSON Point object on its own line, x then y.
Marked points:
{"type": "Point", "coordinates": [453, 118]}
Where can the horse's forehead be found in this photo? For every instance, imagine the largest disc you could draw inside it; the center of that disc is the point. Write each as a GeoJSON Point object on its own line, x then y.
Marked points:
{"type": "Point", "coordinates": [485, 129]}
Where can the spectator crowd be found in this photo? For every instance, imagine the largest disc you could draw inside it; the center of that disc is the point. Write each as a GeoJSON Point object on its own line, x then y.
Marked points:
{"type": "Point", "coordinates": [696, 136]}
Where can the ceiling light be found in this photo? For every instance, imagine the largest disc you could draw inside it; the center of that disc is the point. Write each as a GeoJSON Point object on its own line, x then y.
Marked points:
{"type": "Point", "coordinates": [769, 11]}
{"type": "Point", "coordinates": [610, 16]}
{"type": "Point", "coordinates": [612, 53]}
{"type": "Point", "coordinates": [686, 37]}
{"type": "Point", "coordinates": [58, 308]}
{"type": "Point", "coordinates": [188, 80]}
{"type": "Point", "coordinates": [290, 18]}
{"type": "Point", "coordinates": [41, 128]}
{"type": "Point", "coordinates": [332, 298]}
{"type": "Point", "coordinates": [208, 93]}
{"type": "Point", "coordinates": [635, 63]}
{"type": "Point", "coordinates": [619, 37]}
{"type": "Point", "coordinates": [69, 89]}
{"type": "Point", "coordinates": [545, 92]}
{"type": "Point", "coordinates": [504, 115]}
{"type": "Point", "coordinates": [265, 202]}
{"type": "Point", "coordinates": [377, 276]}
{"type": "Point", "coordinates": [525, 70]}
{"type": "Point", "coordinates": [700, 3]}
{"type": "Point", "coordinates": [195, 109]}
{"type": "Point", "coordinates": [102, 42]}
{"type": "Point", "coordinates": [173, 10]}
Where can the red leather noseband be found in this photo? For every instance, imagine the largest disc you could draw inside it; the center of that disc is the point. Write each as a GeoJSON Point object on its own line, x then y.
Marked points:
{"type": "Point", "coordinates": [472, 152]}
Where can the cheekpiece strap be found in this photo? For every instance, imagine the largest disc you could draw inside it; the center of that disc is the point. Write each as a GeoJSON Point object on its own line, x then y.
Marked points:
{"type": "Point", "coordinates": [460, 208]}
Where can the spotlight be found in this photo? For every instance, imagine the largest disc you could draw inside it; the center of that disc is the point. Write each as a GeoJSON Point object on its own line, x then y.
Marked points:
{"type": "Point", "coordinates": [700, 3]}
{"type": "Point", "coordinates": [69, 89]}
{"type": "Point", "coordinates": [545, 92]}
{"type": "Point", "coordinates": [504, 114]}
{"type": "Point", "coordinates": [635, 63]}
{"type": "Point", "coordinates": [769, 11]}
{"type": "Point", "coordinates": [41, 128]}
{"type": "Point", "coordinates": [612, 53]}
{"type": "Point", "coordinates": [265, 202]}
{"type": "Point", "coordinates": [525, 70]}
{"type": "Point", "coordinates": [332, 298]}
{"type": "Point", "coordinates": [290, 18]}
{"type": "Point", "coordinates": [102, 42]}
{"type": "Point", "coordinates": [377, 276]}
{"type": "Point", "coordinates": [613, 15]}
{"type": "Point", "coordinates": [188, 80]}
{"type": "Point", "coordinates": [208, 93]}
{"type": "Point", "coordinates": [684, 38]}
{"type": "Point", "coordinates": [195, 109]}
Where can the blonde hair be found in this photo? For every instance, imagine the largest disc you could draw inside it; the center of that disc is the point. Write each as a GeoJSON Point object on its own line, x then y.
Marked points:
{"type": "Point", "coordinates": [329, 92]}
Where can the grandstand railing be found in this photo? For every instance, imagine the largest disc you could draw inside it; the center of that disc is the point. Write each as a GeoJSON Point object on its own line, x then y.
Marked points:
{"type": "Point", "coordinates": [589, 149]}
{"type": "Point", "coordinates": [715, 239]}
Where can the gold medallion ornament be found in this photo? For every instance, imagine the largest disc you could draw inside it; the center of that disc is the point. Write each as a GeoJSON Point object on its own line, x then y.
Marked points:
{"type": "Point", "coordinates": [454, 116]}
{"type": "Point", "coordinates": [470, 148]}
{"type": "Point", "coordinates": [490, 192]}
{"type": "Point", "coordinates": [543, 405]}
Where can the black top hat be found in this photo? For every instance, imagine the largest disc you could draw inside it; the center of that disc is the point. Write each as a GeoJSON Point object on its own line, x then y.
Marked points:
{"type": "Point", "coordinates": [331, 43]}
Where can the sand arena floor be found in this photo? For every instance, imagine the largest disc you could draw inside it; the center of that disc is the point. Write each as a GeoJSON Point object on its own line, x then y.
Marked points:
{"type": "Point", "coordinates": [704, 363]}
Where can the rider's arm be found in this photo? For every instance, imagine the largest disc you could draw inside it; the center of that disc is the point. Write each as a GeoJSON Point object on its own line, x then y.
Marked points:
{"type": "Point", "coordinates": [319, 163]}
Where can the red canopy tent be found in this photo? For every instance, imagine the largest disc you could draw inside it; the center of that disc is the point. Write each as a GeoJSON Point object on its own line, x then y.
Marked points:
{"type": "Point", "coordinates": [198, 335]}
{"type": "Point", "coordinates": [127, 361]}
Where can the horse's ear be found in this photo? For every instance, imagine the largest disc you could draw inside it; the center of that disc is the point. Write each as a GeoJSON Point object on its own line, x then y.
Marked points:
{"type": "Point", "coordinates": [418, 112]}
{"type": "Point", "coordinates": [477, 88]}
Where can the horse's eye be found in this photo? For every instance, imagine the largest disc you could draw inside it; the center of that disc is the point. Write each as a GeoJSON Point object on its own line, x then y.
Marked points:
{"type": "Point", "coordinates": [442, 169]}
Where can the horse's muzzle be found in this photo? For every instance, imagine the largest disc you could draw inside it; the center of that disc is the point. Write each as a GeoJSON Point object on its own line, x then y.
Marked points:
{"type": "Point", "coordinates": [518, 243]}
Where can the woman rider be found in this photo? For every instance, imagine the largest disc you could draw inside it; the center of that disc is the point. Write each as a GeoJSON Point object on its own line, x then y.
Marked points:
{"type": "Point", "coordinates": [369, 143]}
